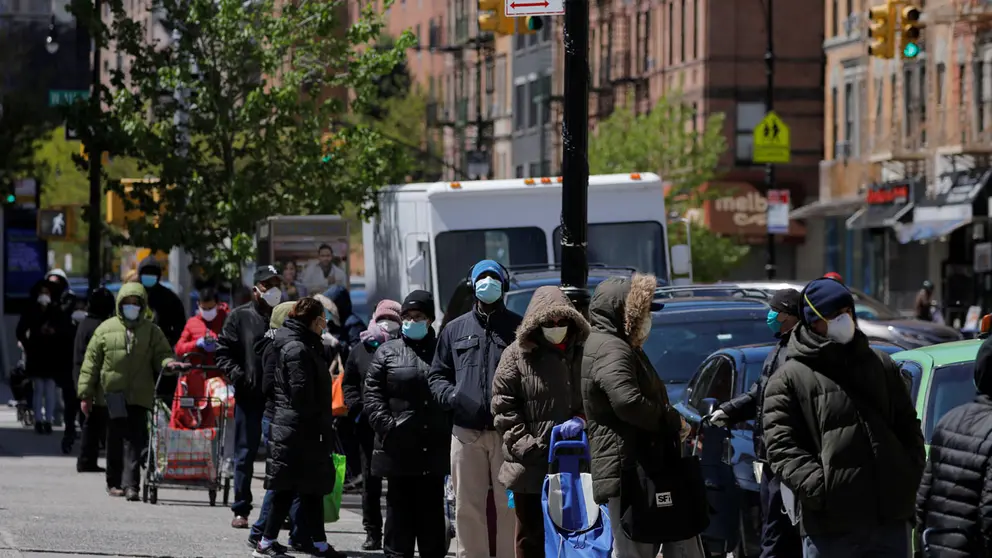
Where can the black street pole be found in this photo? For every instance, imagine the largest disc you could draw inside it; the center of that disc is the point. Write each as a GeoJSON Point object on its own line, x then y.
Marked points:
{"type": "Point", "coordinates": [769, 106]}
{"type": "Point", "coordinates": [95, 155]}
{"type": "Point", "coordinates": [575, 161]}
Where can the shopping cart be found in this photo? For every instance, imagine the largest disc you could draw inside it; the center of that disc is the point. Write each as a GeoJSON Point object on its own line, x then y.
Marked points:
{"type": "Point", "coordinates": [189, 458]}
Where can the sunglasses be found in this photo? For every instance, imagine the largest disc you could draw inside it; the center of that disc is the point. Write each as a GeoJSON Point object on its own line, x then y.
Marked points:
{"type": "Point", "coordinates": [559, 323]}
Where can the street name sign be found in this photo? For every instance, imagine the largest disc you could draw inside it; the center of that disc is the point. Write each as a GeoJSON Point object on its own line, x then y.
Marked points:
{"type": "Point", "coordinates": [772, 144]}
{"type": "Point", "coordinates": [58, 97]}
{"type": "Point", "coordinates": [524, 8]}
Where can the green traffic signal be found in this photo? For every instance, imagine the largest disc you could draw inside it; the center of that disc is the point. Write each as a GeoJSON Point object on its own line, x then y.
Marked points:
{"type": "Point", "coordinates": [911, 50]}
{"type": "Point", "coordinates": [535, 23]}
{"type": "Point", "coordinates": [11, 198]}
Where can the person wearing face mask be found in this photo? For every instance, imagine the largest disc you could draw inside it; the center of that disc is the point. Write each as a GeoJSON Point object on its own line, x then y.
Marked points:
{"type": "Point", "coordinates": [45, 332]}
{"type": "Point", "coordinates": [167, 308]}
{"type": "Point", "coordinates": [242, 366]}
{"type": "Point", "coordinates": [412, 434]}
{"type": "Point", "coordinates": [461, 379]}
{"type": "Point", "coordinates": [203, 330]}
{"type": "Point", "coordinates": [779, 538]}
{"type": "Point", "coordinates": [122, 359]}
{"type": "Point", "coordinates": [626, 404]}
{"type": "Point", "coordinates": [842, 434]}
{"type": "Point", "coordinates": [301, 436]}
{"type": "Point", "coordinates": [537, 386]}
{"type": "Point", "coordinates": [385, 326]}
{"type": "Point", "coordinates": [100, 307]}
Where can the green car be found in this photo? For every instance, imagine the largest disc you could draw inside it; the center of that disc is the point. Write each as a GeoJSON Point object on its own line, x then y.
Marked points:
{"type": "Point", "coordinates": [943, 378]}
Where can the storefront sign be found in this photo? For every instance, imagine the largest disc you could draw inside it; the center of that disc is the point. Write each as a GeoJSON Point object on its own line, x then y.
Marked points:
{"type": "Point", "coordinates": [742, 210]}
{"type": "Point", "coordinates": [749, 209]}
{"type": "Point", "coordinates": [889, 193]}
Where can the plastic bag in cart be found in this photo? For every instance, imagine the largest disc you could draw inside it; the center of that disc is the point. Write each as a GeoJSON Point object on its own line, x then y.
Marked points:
{"type": "Point", "coordinates": [222, 397]}
{"type": "Point", "coordinates": [186, 455]}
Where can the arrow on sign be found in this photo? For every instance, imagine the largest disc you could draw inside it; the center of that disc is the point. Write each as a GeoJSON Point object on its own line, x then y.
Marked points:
{"type": "Point", "coordinates": [516, 5]}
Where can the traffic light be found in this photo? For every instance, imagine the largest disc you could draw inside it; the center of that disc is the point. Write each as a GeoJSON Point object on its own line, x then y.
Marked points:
{"type": "Point", "coordinates": [910, 37]}
{"type": "Point", "coordinates": [10, 198]}
{"type": "Point", "coordinates": [330, 144]}
{"type": "Point", "coordinates": [882, 31]}
{"type": "Point", "coordinates": [492, 18]}
{"type": "Point", "coordinates": [532, 24]}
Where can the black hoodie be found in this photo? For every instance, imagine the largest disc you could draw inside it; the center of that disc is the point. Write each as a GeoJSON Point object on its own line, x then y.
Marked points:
{"type": "Point", "coordinates": [45, 332]}
{"type": "Point", "coordinates": [956, 491]}
{"type": "Point", "coordinates": [170, 315]}
{"type": "Point", "coordinates": [101, 307]}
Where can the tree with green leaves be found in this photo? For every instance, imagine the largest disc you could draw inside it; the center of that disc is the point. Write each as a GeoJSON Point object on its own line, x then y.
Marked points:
{"type": "Point", "coordinates": [243, 115]}
{"type": "Point", "coordinates": [670, 141]}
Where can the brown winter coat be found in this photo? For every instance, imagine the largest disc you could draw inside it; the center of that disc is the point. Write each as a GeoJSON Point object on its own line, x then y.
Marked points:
{"type": "Point", "coordinates": [624, 399]}
{"type": "Point", "coordinates": [537, 386]}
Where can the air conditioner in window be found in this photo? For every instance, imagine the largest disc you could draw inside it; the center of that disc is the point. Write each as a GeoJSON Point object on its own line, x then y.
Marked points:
{"type": "Point", "coordinates": [842, 150]}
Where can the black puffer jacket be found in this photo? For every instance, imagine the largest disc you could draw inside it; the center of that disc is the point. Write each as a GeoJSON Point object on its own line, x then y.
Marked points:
{"type": "Point", "coordinates": [236, 354]}
{"type": "Point", "coordinates": [301, 435]}
{"type": "Point", "coordinates": [842, 433]}
{"type": "Point", "coordinates": [47, 335]}
{"type": "Point", "coordinates": [747, 406]}
{"type": "Point", "coordinates": [412, 432]}
{"type": "Point", "coordinates": [627, 408]}
{"type": "Point", "coordinates": [956, 492]}
{"type": "Point", "coordinates": [537, 386]}
{"type": "Point", "coordinates": [468, 353]}
{"type": "Point", "coordinates": [353, 383]}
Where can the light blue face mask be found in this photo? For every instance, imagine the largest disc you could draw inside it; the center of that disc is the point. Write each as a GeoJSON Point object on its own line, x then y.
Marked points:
{"type": "Point", "coordinates": [131, 311]}
{"type": "Point", "coordinates": [414, 330]}
{"type": "Point", "coordinates": [773, 323]}
{"type": "Point", "coordinates": [148, 281]}
{"type": "Point", "coordinates": [488, 290]}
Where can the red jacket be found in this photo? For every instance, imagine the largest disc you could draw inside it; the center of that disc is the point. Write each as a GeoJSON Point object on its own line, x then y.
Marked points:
{"type": "Point", "coordinates": [196, 328]}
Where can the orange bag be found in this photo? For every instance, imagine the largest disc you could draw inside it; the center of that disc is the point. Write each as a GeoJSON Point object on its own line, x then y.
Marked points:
{"type": "Point", "coordinates": [338, 408]}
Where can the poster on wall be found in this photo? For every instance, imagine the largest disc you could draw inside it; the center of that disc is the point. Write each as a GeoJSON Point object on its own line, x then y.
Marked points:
{"type": "Point", "coordinates": [25, 262]}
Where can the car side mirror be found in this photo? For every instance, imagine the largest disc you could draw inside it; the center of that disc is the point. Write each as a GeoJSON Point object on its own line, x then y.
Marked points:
{"type": "Point", "coordinates": [708, 406]}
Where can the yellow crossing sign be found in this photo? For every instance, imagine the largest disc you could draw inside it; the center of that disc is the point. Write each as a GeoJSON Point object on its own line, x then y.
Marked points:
{"type": "Point", "coordinates": [772, 144]}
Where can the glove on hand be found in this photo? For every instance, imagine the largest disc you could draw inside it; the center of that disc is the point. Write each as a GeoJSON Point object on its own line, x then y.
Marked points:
{"type": "Point", "coordinates": [573, 427]}
{"type": "Point", "coordinates": [685, 431]}
{"type": "Point", "coordinates": [717, 418]}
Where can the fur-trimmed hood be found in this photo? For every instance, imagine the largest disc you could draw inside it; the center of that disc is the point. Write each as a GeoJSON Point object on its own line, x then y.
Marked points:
{"type": "Point", "coordinates": [549, 303]}
{"type": "Point", "coordinates": [619, 305]}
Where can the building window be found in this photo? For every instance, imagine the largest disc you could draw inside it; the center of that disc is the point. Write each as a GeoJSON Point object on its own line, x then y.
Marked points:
{"type": "Point", "coordinates": [695, 117]}
{"type": "Point", "coordinates": [849, 116]}
{"type": "Point", "coordinates": [982, 86]}
{"type": "Point", "coordinates": [682, 31]}
{"type": "Point", "coordinates": [519, 106]}
{"type": "Point", "coordinates": [941, 76]}
{"type": "Point", "coordinates": [671, 32]}
{"type": "Point", "coordinates": [544, 101]}
{"type": "Point", "coordinates": [500, 86]}
{"type": "Point", "coordinates": [696, 32]}
{"type": "Point", "coordinates": [546, 30]}
{"type": "Point", "coordinates": [646, 53]}
{"type": "Point", "coordinates": [748, 116]}
{"type": "Point", "coordinates": [519, 41]}
{"type": "Point", "coordinates": [834, 119]}
{"type": "Point", "coordinates": [535, 170]}
{"type": "Point", "coordinates": [532, 111]}
{"type": "Point", "coordinates": [834, 17]}
{"type": "Point", "coordinates": [879, 94]}
{"type": "Point", "coordinates": [416, 34]}
{"type": "Point", "coordinates": [922, 92]}
{"type": "Point", "coordinates": [520, 171]}
{"type": "Point", "coordinates": [908, 103]}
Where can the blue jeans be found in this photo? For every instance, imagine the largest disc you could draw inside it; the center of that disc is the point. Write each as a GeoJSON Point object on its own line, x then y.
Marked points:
{"type": "Point", "coordinates": [887, 541]}
{"type": "Point", "coordinates": [44, 400]}
{"type": "Point", "coordinates": [263, 513]}
{"type": "Point", "coordinates": [247, 436]}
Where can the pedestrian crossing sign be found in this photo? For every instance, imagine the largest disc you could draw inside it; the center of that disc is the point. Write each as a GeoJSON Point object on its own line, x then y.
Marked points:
{"type": "Point", "coordinates": [772, 143]}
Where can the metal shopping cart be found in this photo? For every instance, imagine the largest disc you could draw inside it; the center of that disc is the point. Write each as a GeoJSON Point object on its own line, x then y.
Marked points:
{"type": "Point", "coordinates": [192, 455]}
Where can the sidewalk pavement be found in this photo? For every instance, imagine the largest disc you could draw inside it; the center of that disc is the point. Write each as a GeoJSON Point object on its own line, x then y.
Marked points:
{"type": "Point", "coordinates": [47, 509]}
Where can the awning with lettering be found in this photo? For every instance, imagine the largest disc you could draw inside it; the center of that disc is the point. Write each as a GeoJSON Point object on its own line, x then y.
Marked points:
{"type": "Point", "coordinates": [886, 204]}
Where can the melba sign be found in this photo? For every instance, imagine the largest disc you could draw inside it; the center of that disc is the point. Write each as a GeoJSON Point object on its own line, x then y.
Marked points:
{"type": "Point", "coordinates": [748, 210]}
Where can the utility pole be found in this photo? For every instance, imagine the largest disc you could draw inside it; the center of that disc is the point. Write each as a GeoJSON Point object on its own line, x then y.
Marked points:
{"type": "Point", "coordinates": [769, 107]}
{"type": "Point", "coordinates": [575, 158]}
{"type": "Point", "coordinates": [94, 240]}
{"type": "Point", "coordinates": [478, 94]}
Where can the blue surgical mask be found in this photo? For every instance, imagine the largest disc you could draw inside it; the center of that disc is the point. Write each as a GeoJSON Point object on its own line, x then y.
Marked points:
{"type": "Point", "coordinates": [414, 330]}
{"type": "Point", "coordinates": [148, 280]}
{"type": "Point", "coordinates": [488, 290]}
{"type": "Point", "coordinates": [131, 311]}
{"type": "Point", "coordinates": [773, 323]}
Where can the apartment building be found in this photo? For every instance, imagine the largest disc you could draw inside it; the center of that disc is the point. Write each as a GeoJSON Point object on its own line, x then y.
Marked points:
{"type": "Point", "coordinates": [714, 53]}
{"type": "Point", "coordinates": [904, 181]}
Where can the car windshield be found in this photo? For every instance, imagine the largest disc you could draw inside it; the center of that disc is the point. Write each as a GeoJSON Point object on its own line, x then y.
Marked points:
{"type": "Point", "coordinates": [951, 386]}
{"type": "Point", "coordinates": [868, 308]}
{"type": "Point", "coordinates": [677, 349]}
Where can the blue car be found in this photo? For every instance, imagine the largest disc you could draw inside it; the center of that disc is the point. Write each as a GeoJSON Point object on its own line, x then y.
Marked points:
{"type": "Point", "coordinates": [721, 376]}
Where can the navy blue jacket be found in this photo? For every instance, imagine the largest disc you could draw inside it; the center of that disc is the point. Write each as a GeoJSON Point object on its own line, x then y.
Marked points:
{"type": "Point", "coordinates": [468, 352]}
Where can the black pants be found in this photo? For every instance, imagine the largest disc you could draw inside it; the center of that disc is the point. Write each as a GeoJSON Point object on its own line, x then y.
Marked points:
{"type": "Point", "coordinates": [372, 487]}
{"type": "Point", "coordinates": [529, 535]}
{"type": "Point", "coordinates": [94, 431]}
{"type": "Point", "coordinates": [70, 405]}
{"type": "Point", "coordinates": [311, 513]}
{"type": "Point", "coordinates": [347, 441]}
{"type": "Point", "coordinates": [415, 516]}
{"type": "Point", "coordinates": [779, 537]}
{"type": "Point", "coordinates": [126, 439]}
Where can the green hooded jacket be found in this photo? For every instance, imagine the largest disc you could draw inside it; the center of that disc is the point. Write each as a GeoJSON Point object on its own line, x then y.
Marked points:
{"type": "Point", "coordinates": [124, 356]}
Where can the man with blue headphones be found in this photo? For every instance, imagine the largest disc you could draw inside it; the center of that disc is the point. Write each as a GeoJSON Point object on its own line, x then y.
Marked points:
{"type": "Point", "coordinates": [461, 380]}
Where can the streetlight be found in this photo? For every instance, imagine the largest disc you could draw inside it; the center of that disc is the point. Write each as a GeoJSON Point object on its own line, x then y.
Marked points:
{"type": "Point", "coordinates": [51, 41]}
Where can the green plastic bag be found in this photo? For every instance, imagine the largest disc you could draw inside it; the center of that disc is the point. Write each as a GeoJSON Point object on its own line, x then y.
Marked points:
{"type": "Point", "coordinates": [332, 501]}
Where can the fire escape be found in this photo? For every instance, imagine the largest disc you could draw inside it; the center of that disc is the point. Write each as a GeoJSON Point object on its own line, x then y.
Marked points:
{"type": "Point", "coordinates": [620, 75]}
{"type": "Point", "coordinates": [464, 121]}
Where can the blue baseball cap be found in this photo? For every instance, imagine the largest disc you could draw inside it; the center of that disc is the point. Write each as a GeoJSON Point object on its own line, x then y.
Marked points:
{"type": "Point", "coordinates": [487, 266]}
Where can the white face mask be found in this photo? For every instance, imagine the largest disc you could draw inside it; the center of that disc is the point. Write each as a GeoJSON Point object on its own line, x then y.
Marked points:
{"type": "Point", "coordinates": [555, 335]}
{"type": "Point", "coordinates": [272, 296]}
{"type": "Point", "coordinates": [78, 316]}
{"type": "Point", "coordinates": [841, 329]}
{"type": "Point", "coordinates": [645, 329]}
{"type": "Point", "coordinates": [44, 300]}
{"type": "Point", "coordinates": [208, 315]}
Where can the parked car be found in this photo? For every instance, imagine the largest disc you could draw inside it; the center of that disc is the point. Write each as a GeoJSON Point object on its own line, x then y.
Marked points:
{"type": "Point", "coordinates": [685, 331]}
{"type": "Point", "coordinates": [879, 322]}
{"type": "Point", "coordinates": [721, 376]}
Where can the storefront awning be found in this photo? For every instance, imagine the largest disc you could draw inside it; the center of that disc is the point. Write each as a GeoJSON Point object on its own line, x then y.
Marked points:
{"type": "Point", "coordinates": [879, 216]}
{"type": "Point", "coordinates": [928, 230]}
{"type": "Point", "coordinates": [828, 208]}
{"type": "Point", "coordinates": [959, 196]}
